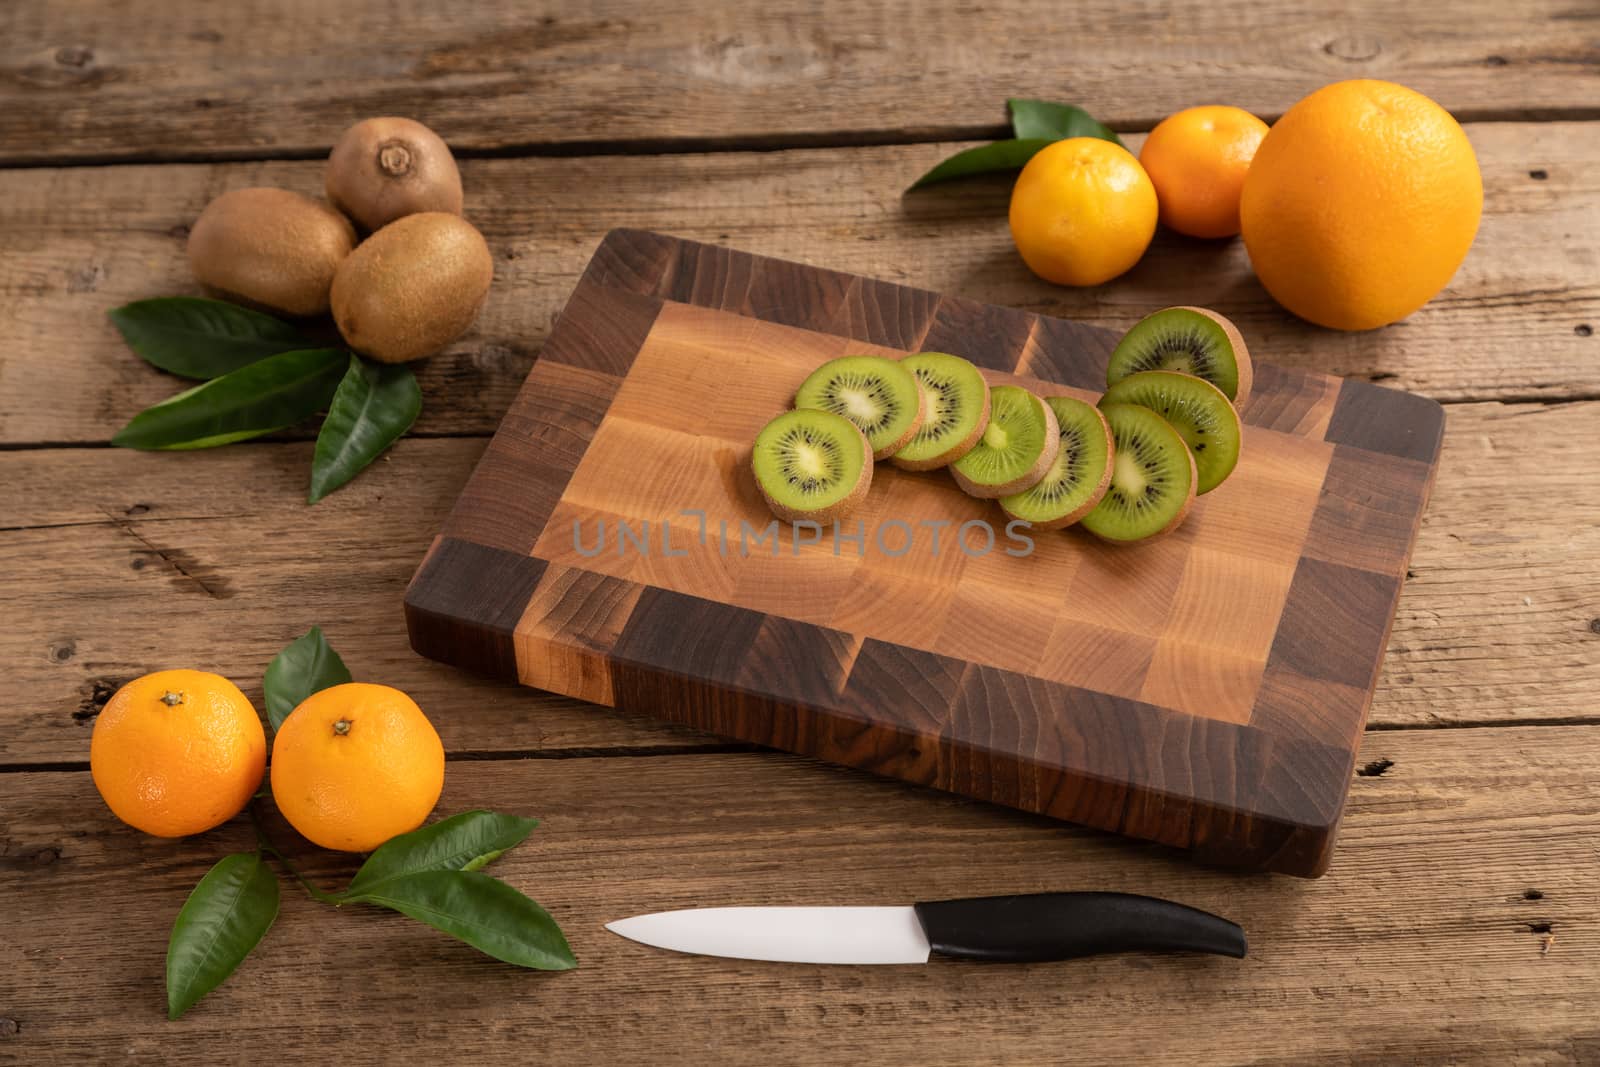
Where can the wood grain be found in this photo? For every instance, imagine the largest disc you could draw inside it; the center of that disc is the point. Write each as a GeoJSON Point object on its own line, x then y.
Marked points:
{"type": "Point", "coordinates": [171, 82]}
{"type": "Point", "coordinates": [1191, 749]}
{"type": "Point", "coordinates": [74, 243]}
{"type": "Point", "coordinates": [1419, 947]}
{"type": "Point", "coordinates": [1460, 925]}
{"type": "Point", "coordinates": [1493, 627]}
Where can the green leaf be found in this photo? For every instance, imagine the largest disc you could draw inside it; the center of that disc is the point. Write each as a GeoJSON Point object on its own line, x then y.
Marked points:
{"type": "Point", "coordinates": [484, 912]}
{"type": "Point", "coordinates": [376, 403]}
{"type": "Point", "coordinates": [462, 842]}
{"type": "Point", "coordinates": [989, 159]}
{"type": "Point", "coordinates": [1057, 122]}
{"type": "Point", "coordinates": [307, 665]}
{"type": "Point", "coordinates": [200, 338]}
{"type": "Point", "coordinates": [268, 395]}
{"type": "Point", "coordinates": [225, 917]}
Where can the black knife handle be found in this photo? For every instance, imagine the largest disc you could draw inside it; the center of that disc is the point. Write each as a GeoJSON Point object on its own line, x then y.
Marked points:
{"type": "Point", "coordinates": [1063, 926]}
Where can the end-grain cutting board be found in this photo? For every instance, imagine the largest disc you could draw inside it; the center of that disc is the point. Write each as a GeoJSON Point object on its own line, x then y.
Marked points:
{"type": "Point", "coordinates": [1206, 690]}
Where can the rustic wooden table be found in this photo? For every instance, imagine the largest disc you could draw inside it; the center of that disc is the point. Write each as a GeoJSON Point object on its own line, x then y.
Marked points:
{"type": "Point", "coordinates": [1460, 921]}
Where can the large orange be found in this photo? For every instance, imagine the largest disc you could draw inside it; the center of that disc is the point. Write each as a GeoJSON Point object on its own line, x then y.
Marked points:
{"type": "Point", "coordinates": [1082, 212]}
{"type": "Point", "coordinates": [1360, 204]}
{"type": "Point", "coordinates": [177, 752]}
{"type": "Point", "coordinates": [1197, 161]}
{"type": "Point", "coordinates": [354, 765]}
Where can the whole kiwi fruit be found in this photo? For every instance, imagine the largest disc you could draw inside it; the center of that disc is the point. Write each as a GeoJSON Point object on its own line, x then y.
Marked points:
{"type": "Point", "coordinates": [271, 249]}
{"type": "Point", "coordinates": [412, 287]}
{"type": "Point", "coordinates": [386, 168]}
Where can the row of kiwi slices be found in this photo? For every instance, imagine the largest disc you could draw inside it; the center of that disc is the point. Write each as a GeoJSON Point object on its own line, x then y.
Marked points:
{"type": "Point", "coordinates": [1165, 431]}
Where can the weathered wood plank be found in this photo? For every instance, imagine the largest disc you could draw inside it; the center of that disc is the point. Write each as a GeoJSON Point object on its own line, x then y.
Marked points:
{"type": "Point", "coordinates": [1518, 321]}
{"type": "Point", "coordinates": [220, 564]}
{"type": "Point", "coordinates": [95, 80]}
{"type": "Point", "coordinates": [212, 559]}
{"type": "Point", "coordinates": [1459, 924]}
{"type": "Point", "coordinates": [1501, 611]}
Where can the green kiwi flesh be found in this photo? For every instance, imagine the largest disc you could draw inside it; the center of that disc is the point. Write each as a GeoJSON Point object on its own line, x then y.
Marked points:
{"type": "Point", "coordinates": [812, 465]}
{"type": "Point", "coordinates": [878, 395]}
{"type": "Point", "coordinates": [1077, 479]}
{"type": "Point", "coordinates": [1196, 409]}
{"type": "Point", "coordinates": [1152, 477]}
{"type": "Point", "coordinates": [1189, 340]}
{"type": "Point", "coordinates": [957, 402]}
{"type": "Point", "coordinates": [1016, 448]}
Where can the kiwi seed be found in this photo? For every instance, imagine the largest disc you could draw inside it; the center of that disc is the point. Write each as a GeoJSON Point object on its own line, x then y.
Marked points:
{"type": "Point", "coordinates": [1196, 409]}
{"type": "Point", "coordinates": [1152, 477]}
{"type": "Point", "coordinates": [386, 168]}
{"type": "Point", "coordinates": [1016, 449]}
{"type": "Point", "coordinates": [1191, 340]}
{"type": "Point", "coordinates": [812, 466]}
{"type": "Point", "coordinates": [879, 395]}
{"type": "Point", "coordinates": [412, 287]}
{"type": "Point", "coordinates": [270, 249]}
{"type": "Point", "coordinates": [1077, 479]}
{"type": "Point", "coordinates": [957, 404]}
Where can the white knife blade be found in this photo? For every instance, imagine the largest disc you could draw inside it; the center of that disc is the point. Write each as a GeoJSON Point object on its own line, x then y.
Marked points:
{"type": "Point", "coordinates": [1005, 929]}
{"type": "Point", "coordinates": [785, 934]}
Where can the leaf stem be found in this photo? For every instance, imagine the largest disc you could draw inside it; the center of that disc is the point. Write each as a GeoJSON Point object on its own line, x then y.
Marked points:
{"type": "Point", "coordinates": [265, 844]}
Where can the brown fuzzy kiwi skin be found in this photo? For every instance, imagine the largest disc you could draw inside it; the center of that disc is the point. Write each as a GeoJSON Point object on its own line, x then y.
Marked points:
{"type": "Point", "coordinates": [1094, 498]}
{"type": "Point", "coordinates": [383, 169]}
{"type": "Point", "coordinates": [1030, 477]}
{"type": "Point", "coordinates": [955, 451]}
{"type": "Point", "coordinates": [270, 249]}
{"type": "Point", "coordinates": [1241, 354]}
{"type": "Point", "coordinates": [1177, 520]}
{"type": "Point", "coordinates": [412, 287]}
{"type": "Point", "coordinates": [838, 510]}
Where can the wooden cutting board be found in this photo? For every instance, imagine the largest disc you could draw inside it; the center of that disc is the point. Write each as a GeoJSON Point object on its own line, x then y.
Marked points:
{"type": "Point", "coordinates": [1206, 690]}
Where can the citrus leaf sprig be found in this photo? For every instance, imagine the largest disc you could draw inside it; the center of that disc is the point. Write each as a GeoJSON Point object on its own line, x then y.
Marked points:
{"type": "Point", "coordinates": [307, 665]}
{"type": "Point", "coordinates": [1036, 124]}
{"type": "Point", "coordinates": [432, 874]}
{"type": "Point", "coordinates": [261, 375]}
{"type": "Point", "coordinates": [197, 338]}
{"type": "Point", "coordinates": [375, 405]}
{"type": "Point", "coordinates": [268, 395]}
{"type": "Point", "coordinates": [223, 920]}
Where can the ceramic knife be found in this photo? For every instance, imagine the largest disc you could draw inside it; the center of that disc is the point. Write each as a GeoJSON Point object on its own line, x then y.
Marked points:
{"type": "Point", "coordinates": [1007, 929]}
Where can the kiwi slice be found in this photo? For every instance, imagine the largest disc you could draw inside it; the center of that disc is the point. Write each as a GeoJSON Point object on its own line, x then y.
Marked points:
{"type": "Point", "coordinates": [957, 404]}
{"type": "Point", "coordinates": [1152, 477]}
{"type": "Point", "coordinates": [1077, 479]}
{"type": "Point", "coordinates": [878, 395]}
{"type": "Point", "coordinates": [1016, 449]}
{"type": "Point", "coordinates": [1187, 339]}
{"type": "Point", "coordinates": [1196, 409]}
{"type": "Point", "coordinates": [812, 465]}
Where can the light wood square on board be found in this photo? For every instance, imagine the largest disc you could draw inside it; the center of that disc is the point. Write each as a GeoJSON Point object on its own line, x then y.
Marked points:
{"type": "Point", "coordinates": [1265, 507]}
{"type": "Point", "coordinates": [1094, 657]}
{"type": "Point", "coordinates": [999, 626]}
{"type": "Point", "coordinates": [1229, 602]}
{"type": "Point", "coordinates": [729, 389]}
{"type": "Point", "coordinates": [1202, 681]}
{"type": "Point", "coordinates": [665, 553]}
{"type": "Point", "coordinates": [648, 472]}
{"type": "Point", "coordinates": [897, 609]}
{"type": "Point", "coordinates": [809, 585]}
{"type": "Point", "coordinates": [572, 620]}
{"type": "Point", "coordinates": [1127, 587]}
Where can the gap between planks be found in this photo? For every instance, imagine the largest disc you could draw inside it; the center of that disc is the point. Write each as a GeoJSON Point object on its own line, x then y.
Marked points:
{"type": "Point", "coordinates": [740, 748]}
{"type": "Point", "coordinates": [671, 146]}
